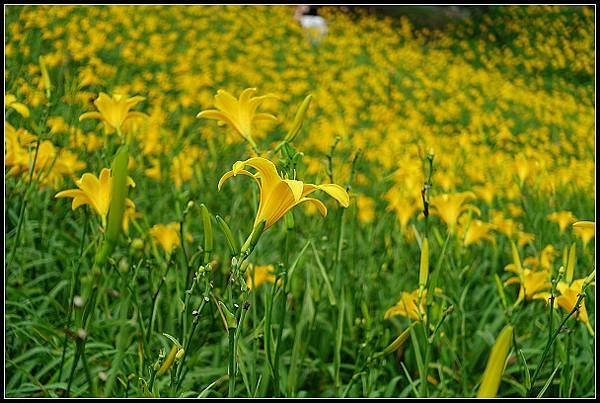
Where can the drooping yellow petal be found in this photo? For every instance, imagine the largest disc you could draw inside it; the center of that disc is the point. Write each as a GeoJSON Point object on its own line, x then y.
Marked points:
{"type": "Point", "coordinates": [22, 109]}
{"type": "Point", "coordinates": [229, 174]}
{"type": "Point", "coordinates": [317, 203]}
{"type": "Point", "coordinates": [584, 224]}
{"type": "Point", "coordinates": [90, 115]}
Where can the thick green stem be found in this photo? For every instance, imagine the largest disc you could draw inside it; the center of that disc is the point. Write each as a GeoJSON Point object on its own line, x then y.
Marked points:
{"type": "Point", "coordinates": [231, 363]}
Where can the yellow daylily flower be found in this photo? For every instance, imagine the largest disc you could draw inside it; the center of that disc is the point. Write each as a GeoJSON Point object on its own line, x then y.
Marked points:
{"type": "Point", "coordinates": [524, 237]}
{"type": "Point", "coordinates": [584, 230]}
{"type": "Point", "coordinates": [534, 284]}
{"type": "Point", "coordinates": [568, 297]}
{"type": "Point", "coordinates": [547, 257]}
{"type": "Point", "coordinates": [450, 206]}
{"type": "Point", "coordinates": [562, 218]}
{"type": "Point", "coordinates": [257, 275]}
{"type": "Point", "coordinates": [94, 191]}
{"type": "Point", "coordinates": [407, 306]}
{"type": "Point", "coordinates": [240, 113]}
{"type": "Point", "coordinates": [167, 236]}
{"type": "Point", "coordinates": [10, 101]}
{"type": "Point", "coordinates": [115, 110]}
{"type": "Point", "coordinates": [477, 232]}
{"type": "Point", "coordinates": [278, 195]}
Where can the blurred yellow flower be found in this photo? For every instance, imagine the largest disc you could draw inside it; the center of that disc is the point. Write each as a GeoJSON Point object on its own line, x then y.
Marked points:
{"type": "Point", "coordinates": [450, 206]}
{"type": "Point", "coordinates": [524, 237]}
{"type": "Point", "coordinates": [114, 111]}
{"type": "Point", "coordinates": [585, 230]}
{"type": "Point", "coordinates": [257, 275]}
{"type": "Point", "coordinates": [10, 101]}
{"type": "Point", "coordinates": [534, 284]}
{"type": "Point", "coordinates": [478, 231]}
{"type": "Point", "coordinates": [562, 218]}
{"type": "Point", "coordinates": [277, 195]}
{"type": "Point", "coordinates": [547, 257]}
{"type": "Point", "coordinates": [167, 236]}
{"type": "Point", "coordinates": [238, 114]}
{"type": "Point", "coordinates": [95, 192]}
{"type": "Point", "coordinates": [568, 297]}
{"type": "Point", "coordinates": [366, 209]}
{"type": "Point", "coordinates": [407, 306]}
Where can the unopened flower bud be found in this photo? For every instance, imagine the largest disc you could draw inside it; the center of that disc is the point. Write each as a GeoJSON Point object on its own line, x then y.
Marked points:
{"type": "Point", "coordinates": [137, 244]}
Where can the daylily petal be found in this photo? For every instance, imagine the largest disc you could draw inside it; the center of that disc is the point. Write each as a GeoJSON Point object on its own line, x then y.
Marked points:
{"type": "Point", "coordinates": [229, 174]}
{"type": "Point", "coordinates": [584, 224]}
{"type": "Point", "coordinates": [264, 116]}
{"type": "Point", "coordinates": [212, 114]}
{"type": "Point", "coordinates": [69, 193]}
{"type": "Point", "coordinates": [226, 102]}
{"type": "Point", "coordinates": [133, 101]}
{"type": "Point", "coordinates": [91, 115]}
{"type": "Point", "coordinates": [296, 187]}
{"type": "Point", "coordinates": [22, 109]}
{"type": "Point", "coordinates": [337, 192]}
{"type": "Point", "coordinates": [317, 203]}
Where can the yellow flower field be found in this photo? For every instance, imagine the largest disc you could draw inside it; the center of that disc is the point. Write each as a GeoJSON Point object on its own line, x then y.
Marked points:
{"type": "Point", "coordinates": [412, 213]}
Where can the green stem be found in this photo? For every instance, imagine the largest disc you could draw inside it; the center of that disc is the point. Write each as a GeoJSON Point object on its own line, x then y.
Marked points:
{"type": "Point", "coordinates": [23, 205]}
{"type": "Point", "coordinates": [551, 341]}
{"type": "Point", "coordinates": [231, 363]}
{"type": "Point", "coordinates": [121, 338]}
{"type": "Point", "coordinates": [188, 340]}
{"type": "Point", "coordinates": [279, 335]}
{"type": "Point", "coordinates": [74, 283]}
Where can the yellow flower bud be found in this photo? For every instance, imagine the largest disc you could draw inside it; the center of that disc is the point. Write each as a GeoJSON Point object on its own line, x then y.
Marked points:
{"type": "Point", "coordinates": [490, 382]}
{"type": "Point", "coordinates": [168, 361]}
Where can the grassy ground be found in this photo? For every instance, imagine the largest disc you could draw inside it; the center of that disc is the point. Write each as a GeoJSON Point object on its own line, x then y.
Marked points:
{"type": "Point", "coordinates": [492, 115]}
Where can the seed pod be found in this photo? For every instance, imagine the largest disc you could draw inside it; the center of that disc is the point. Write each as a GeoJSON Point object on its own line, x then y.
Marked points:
{"type": "Point", "coordinates": [490, 382]}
